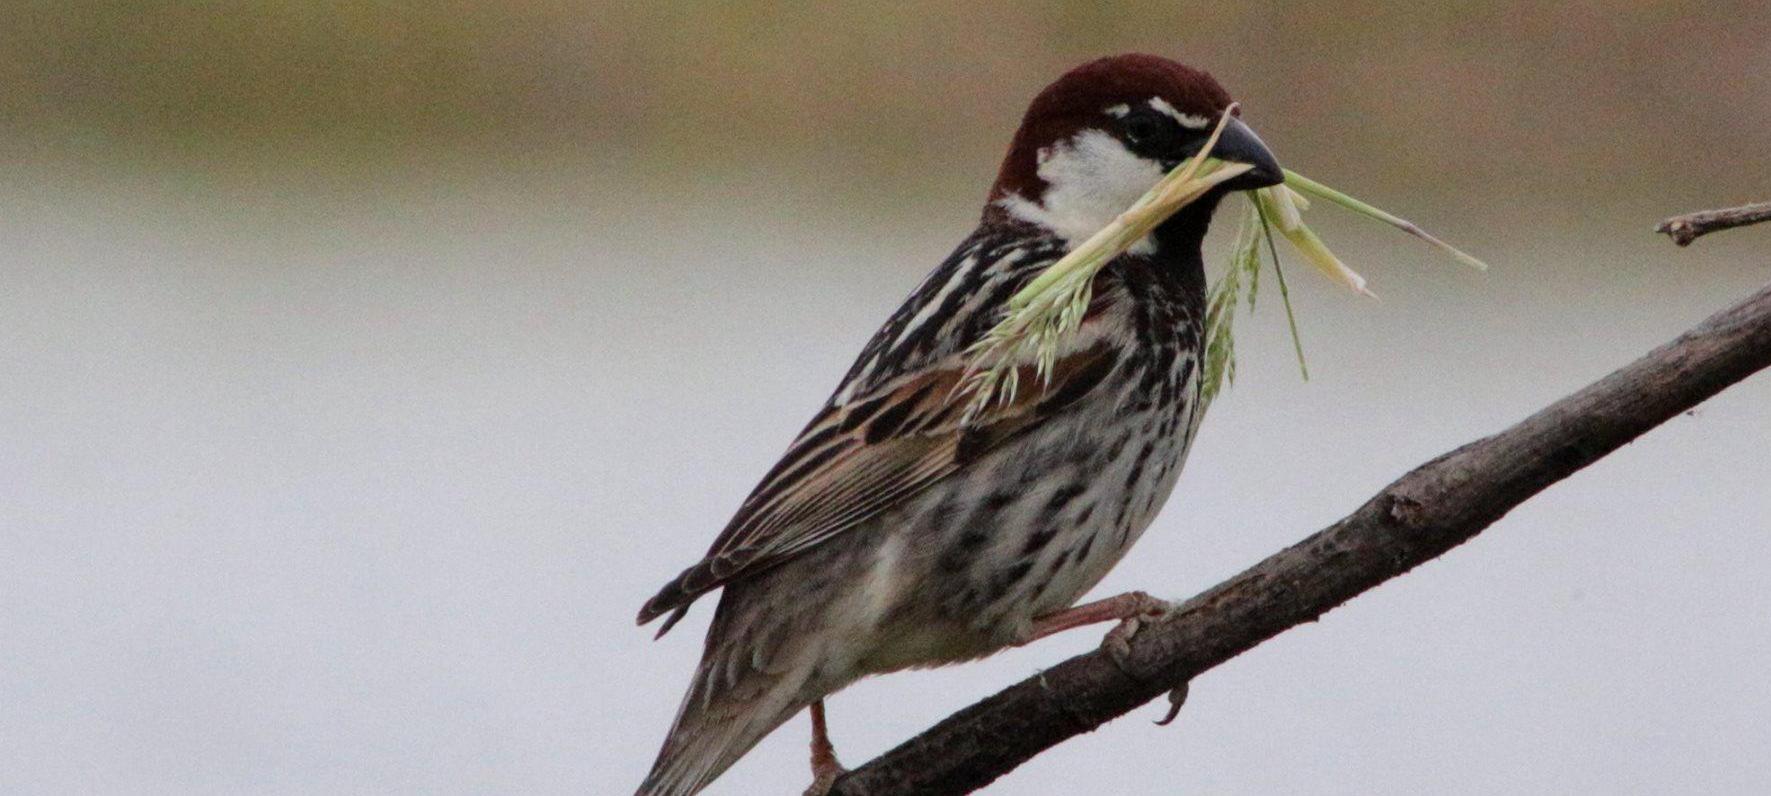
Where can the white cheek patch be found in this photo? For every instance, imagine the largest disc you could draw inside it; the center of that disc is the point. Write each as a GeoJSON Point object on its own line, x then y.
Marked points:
{"type": "Point", "coordinates": [1187, 120]}
{"type": "Point", "coordinates": [1119, 111]}
{"type": "Point", "coordinates": [1090, 180]}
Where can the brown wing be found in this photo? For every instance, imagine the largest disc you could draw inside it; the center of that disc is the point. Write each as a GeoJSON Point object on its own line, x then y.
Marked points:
{"type": "Point", "coordinates": [857, 460]}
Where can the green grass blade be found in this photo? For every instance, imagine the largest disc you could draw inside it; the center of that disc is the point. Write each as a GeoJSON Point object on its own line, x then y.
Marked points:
{"type": "Point", "coordinates": [1313, 188]}
{"type": "Point", "coordinates": [1297, 341]}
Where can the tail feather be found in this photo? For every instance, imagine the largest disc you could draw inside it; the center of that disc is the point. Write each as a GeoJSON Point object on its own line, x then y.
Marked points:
{"type": "Point", "coordinates": [767, 657]}
{"type": "Point", "coordinates": [728, 709]}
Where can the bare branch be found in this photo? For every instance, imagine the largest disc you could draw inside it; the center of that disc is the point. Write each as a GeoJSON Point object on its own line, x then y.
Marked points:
{"type": "Point", "coordinates": [1686, 228]}
{"type": "Point", "coordinates": [1432, 509]}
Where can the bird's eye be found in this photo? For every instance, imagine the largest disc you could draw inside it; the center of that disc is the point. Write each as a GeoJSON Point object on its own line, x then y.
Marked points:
{"type": "Point", "coordinates": [1144, 129]}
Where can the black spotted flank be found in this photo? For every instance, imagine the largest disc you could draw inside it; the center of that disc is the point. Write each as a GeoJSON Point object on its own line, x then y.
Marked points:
{"type": "Point", "coordinates": [1009, 578]}
{"type": "Point", "coordinates": [1063, 496]}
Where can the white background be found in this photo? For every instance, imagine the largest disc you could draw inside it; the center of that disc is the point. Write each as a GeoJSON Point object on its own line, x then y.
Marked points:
{"type": "Point", "coordinates": [316, 492]}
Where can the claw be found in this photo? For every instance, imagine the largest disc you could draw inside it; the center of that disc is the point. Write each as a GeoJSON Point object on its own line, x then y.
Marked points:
{"type": "Point", "coordinates": [1176, 699]}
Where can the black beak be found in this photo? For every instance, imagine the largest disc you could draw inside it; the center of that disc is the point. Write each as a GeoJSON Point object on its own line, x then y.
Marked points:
{"type": "Point", "coordinates": [1238, 144]}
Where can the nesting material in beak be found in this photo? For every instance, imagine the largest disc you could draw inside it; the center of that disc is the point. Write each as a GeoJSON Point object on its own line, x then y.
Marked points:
{"type": "Point", "coordinates": [1053, 303]}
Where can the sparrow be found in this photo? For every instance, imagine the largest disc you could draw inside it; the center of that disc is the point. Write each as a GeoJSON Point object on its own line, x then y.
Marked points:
{"type": "Point", "coordinates": [900, 531]}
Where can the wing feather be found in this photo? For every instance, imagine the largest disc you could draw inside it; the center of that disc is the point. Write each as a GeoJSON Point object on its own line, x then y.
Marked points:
{"type": "Point", "coordinates": [857, 460]}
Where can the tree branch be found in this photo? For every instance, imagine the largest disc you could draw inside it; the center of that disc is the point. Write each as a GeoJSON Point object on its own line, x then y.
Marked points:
{"type": "Point", "coordinates": [1686, 228]}
{"type": "Point", "coordinates": [1432, 509]}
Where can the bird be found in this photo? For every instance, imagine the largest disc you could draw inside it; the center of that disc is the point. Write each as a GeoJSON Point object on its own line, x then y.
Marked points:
{"type": "Point", "coordinates": [899, 531]}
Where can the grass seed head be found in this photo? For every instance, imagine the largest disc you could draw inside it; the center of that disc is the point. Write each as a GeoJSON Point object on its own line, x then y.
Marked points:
{"type": "Point", "coordinates": [1052, 305]}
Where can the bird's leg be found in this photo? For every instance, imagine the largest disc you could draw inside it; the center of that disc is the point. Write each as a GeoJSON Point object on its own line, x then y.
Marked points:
{"type": "Point", "coordinates": [825, 768]}
{"type": "Point", "coordinates": [1131, 609]}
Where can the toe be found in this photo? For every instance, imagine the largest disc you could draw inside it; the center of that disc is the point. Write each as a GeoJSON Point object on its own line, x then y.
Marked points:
{"type": "Point", "coordinates": [1155, 608]}
{"type": "Point", "coordinates": [1117, 642]}
{"type": "Point", "coordinates": [1176, 699]}
{"type": "Point", "coordinates": [824, 780]}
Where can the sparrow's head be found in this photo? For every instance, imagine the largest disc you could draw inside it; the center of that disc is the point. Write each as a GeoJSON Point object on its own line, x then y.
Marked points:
{"type": "Point", "coordinates": [1100, 136]}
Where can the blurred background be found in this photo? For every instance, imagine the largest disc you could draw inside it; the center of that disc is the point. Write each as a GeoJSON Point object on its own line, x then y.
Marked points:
{"type": "Point", "coordinates": [364, 366]}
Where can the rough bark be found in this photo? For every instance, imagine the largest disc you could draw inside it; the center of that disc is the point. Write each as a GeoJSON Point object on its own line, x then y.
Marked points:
{"type": "Point", "coordinates": [1425, 513]}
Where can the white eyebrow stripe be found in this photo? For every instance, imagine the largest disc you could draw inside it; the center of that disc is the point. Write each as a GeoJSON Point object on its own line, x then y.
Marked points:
{"type": "Point", "coordinates": [1187, 120]}
{"type": "Point", "coordinates": [1119, 111]}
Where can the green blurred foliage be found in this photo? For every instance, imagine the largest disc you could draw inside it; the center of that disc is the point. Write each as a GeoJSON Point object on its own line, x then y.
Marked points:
{"type": "Point", "coordinates": [1496, 96]}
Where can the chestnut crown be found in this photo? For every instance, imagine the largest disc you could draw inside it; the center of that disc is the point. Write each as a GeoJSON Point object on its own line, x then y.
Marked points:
{"type": "Point", "coordinates": [1102, 134]}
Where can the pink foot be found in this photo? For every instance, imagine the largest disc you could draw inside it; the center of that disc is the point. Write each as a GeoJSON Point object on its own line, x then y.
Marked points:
{"type": "Point", "coordinates": [825, 768]}
{"type": "Point", "coordinates": [1131, 610]}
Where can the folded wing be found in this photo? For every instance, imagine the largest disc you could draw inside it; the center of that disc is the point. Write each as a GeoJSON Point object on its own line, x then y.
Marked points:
{"type": "Point", "coordinates": [864, 457]}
